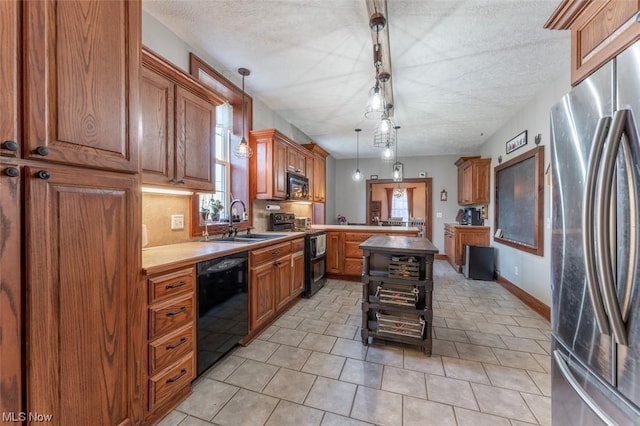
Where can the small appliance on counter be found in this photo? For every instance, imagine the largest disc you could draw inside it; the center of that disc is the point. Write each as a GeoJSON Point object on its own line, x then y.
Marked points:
{"type": "Point", "coordinates": [471, 216]}
{"type": "Point", "coordinates": [302, 223]}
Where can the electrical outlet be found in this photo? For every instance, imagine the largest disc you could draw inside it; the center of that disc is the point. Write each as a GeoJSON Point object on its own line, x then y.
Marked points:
{"type": "Point", "coordinates": [439, 215]}
{"type": "Point", "coordinates": [177, 221]}
{"type": "Point", "coordinates": [517, 271]}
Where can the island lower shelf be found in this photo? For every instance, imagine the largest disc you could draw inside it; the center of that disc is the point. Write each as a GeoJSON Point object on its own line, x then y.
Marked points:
{"type": "Point", "coordinates": [397, 290]}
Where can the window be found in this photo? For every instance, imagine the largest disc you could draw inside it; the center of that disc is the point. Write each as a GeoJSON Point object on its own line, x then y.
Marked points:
{"type": "Point", "coordinates": [399, 204]}
{"type": "Point", "coordinates": [216, 203]}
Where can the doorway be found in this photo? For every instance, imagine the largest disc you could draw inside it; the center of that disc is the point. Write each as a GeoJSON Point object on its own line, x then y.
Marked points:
{"type": "Point", "coordinates": [417, 193]}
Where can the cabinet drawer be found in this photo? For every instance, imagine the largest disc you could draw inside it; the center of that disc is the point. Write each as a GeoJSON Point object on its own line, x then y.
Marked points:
{"type": "Point", "coordinates": [297, 245]}
{"type": "Point", "coordinates": [352, 250]}
{"type": "Point", "coordinates": [171, 380]}
{"type": "Point", "coordinates": [170, 348]}
{"type": "Point", "coordinates": [170, 315]}
{"type": "Point", "coordinates": [357, 237]}
{"type": "Point", "coordinates": [166, 285]}
{"type": "Point", "coordinates": [268, 254]}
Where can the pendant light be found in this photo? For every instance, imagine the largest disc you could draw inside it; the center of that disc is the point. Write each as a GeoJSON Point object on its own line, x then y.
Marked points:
{"type": "Point", "coordinates": [243, 150]}
{"type": "Point", "coordinates": [376, 103]}
{"type": "Point", "coordinates": [383, 136]}
{"type": "Point", "coordinates": [357, 176]}
{"type": "Point", "coordinates": [397, 166]}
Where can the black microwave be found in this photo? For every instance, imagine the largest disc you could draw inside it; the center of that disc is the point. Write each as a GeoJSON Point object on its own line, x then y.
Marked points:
{"type": "Point", "coordinates": [297, 187]}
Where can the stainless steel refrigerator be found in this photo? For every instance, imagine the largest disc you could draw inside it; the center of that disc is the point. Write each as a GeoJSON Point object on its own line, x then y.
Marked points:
{"type": "Point", "coordinates": [595, 313]}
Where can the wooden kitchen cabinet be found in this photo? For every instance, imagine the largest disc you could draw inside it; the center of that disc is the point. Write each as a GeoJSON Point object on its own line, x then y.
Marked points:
{"type": "Point", "coordinates": [172, 337]}
{"type": "Point", "coordinates": [268, 165]}
{"type": "Point", "coordinates": [335, 252]}
{"type": "Point", "coordinates": [352, 252]}
{"type": "Point", "coordinates": [297, 273]}
{"type": "Point", "coordinates": [473, 180]}
{"type": "Point", "coordinates": [71, 307]}
{"type": "Point", "coordinates": [84, 308]}
{"type": "Point", "coordinates": [457, 236]}
{"type": "Point", "coordinates": [319, 171]}
{"type": "Point", "coordinates": [311, 175]}
{"type": "Point", "coordinates": [296, 161]}
{"type": "Point", "coordinates": [81, 82]}
{"type": "Point", "coordinates": [600, 30]}
{"type": "Point", "coordinates": [271, 273]}
{"type": "Point", "coordinates": [178, 122]}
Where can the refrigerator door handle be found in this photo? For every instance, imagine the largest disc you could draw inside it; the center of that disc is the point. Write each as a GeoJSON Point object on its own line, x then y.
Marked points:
{"type": "Point", "coordinates": [573, 382]}
{"type": "Point", "coordinates": [603, 248]}
{"type": "Point", "coordinates": [588, 224]}
{"type": "Point", "coordinates": [633, 215]}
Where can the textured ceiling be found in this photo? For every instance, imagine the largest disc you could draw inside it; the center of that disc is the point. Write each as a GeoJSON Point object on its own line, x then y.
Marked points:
{"type": "Point", "coordinates": [460, 69]}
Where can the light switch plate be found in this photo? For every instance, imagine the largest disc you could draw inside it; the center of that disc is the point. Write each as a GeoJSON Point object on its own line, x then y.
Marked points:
{"type": "Point", "coordinates": [439, 215]}
{"type": "Point", "coordinates": [177, 221]}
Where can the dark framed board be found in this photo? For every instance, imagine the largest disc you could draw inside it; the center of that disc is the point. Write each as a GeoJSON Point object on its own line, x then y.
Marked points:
{"type": "Point", "coordinates": [519, 198]}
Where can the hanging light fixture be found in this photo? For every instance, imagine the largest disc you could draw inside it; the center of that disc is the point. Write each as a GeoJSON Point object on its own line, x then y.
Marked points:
{"type": "Point", "coordinates": [397, 166]}
{"type": "Point", "coordinates": [243, 150]}
{"type": "Point", "coordinates": [357, 176]}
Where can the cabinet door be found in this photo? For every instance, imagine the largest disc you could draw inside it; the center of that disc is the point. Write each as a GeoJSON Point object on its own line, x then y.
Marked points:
{"type": "Point", "coordinates": [311, 177]}
{"type": "Point", "coordinates": [480, 186]}
{"type": "Point", "coordinates": [84, 297]}
{"type": "Point", "coordinates": [301, 164]}
{"type": "Point", "coordinates": [9, 80]}
{"type": "Point", "coordinates": [82, 61]}
{"type": "Point", "coordinates": [297, 273]}
{"type": "Point", "coordinates": [10, 289]}
{"type": "Point", "coordinates": [279, 169]}
{"type": "Point", "coordinates": [467, 183]}
{"type": "Point", "coordinates": [335, 250]}
{"type": "Point", "coordinates": [156, 104]}
{"type": "Point", "coordinates": [195, 139]}
{"type": "Point", "coordinates": [283, 281]}
{"type": "Point", "coordinates": [262, 282]}
{"type": "Point", "coordinates": [319, 178]}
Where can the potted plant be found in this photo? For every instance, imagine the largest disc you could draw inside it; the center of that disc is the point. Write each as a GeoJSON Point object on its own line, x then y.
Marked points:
{"type": "Point", "coordinates": [215, 207]}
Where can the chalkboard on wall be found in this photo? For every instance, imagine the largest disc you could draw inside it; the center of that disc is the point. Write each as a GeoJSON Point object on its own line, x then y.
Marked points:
{"type": "Point", "coordinates": [519, 189]}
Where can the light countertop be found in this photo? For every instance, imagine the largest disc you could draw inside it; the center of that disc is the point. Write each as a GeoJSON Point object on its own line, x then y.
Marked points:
{"type": "Point", "coordinates": [346, 228]}
{"type": "Point", "coordinates": [161, 258]}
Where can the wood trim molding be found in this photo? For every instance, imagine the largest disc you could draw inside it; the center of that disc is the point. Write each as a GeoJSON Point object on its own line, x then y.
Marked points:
{"type": "Point", "coordinates": [565, 14]}
{"type": "Point", "coordinates": [525, 297]}
{"type": "Point", "coordinates": [316, 149]}
{"type": "Point", "coordinates": [441, 257]}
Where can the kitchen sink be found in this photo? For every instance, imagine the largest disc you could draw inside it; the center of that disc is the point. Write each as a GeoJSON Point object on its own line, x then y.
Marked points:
{"type": "Point", "coordinates": [244, 238]}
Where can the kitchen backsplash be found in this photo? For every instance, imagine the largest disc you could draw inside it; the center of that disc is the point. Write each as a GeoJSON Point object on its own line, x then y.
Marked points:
{"type": "Point", "coordinates": [261, 214]}
{"type": "Point", "coordinates": [156, 215]}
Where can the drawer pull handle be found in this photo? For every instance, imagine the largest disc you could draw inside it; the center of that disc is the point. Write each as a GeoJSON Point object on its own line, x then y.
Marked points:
{"type": "Point", "coordinates": [175, 379]}
{"type": "Point", "coordinates": [277, 263]}
{"type": "Point", "coordinates": [10, 145]}
{"type": "Point", "coordinates": [182, 341]}
{"type": "Point", "coordinates": [42, 150]}
{"type": "Point", "coordinates": [274, 252]}
{"type": "Point", "coordinates": [12, 171]}
{"type": "Point", "coordinates": [179, 311]}
{"type": "Point", "coordinates": [175, 285]}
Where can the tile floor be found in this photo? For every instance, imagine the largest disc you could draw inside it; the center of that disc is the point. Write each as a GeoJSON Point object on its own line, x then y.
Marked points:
{"type": "Point", "coordinates": [490, 366]}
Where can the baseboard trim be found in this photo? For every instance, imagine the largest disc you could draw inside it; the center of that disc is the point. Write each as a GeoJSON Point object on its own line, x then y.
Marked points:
{"type": "Point", "coordinates": [441, 257]}
{"type": "Point", "coordinates": [525, 297]}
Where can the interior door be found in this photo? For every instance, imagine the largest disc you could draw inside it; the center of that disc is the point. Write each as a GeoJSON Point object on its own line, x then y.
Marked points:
{"type": "Point", "coordinates": [574, 122]}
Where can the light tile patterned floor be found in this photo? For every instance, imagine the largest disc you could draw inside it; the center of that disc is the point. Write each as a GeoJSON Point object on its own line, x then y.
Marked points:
{"type": "Point", "coordinates": [490, 366]}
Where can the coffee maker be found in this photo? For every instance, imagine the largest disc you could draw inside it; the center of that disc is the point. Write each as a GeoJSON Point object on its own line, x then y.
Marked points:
{"type": "Point", "coordinates": [472, 216]}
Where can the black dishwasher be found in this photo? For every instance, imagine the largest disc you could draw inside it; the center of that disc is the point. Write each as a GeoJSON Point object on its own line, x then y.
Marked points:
{"type": "Point", "coordinates": [222, 307]}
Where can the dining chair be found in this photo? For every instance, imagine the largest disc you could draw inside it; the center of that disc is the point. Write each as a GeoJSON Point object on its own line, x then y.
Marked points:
{"type": "Point", "coordinates": [417, 222]}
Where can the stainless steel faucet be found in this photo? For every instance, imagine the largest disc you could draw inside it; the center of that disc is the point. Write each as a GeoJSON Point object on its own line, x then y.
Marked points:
{"type": "Point", "coordinates": [244, 211]}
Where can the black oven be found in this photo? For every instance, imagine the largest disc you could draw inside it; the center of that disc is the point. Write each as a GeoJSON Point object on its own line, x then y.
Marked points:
{"type": "Point", "coordinates": [223, 315]}
{"type": "Point", "coordinates": [315, 256]}
{"type": "Point", "coordinates": [297, 187]}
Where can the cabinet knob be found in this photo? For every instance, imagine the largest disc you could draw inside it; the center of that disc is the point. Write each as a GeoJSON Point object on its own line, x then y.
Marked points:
{"type": "Point", "coordinates": [12, 171]}
{"type": "Point", "coordinates": [42, 150]}
{"type": "Point", "coordinates": [43, 174]}
{"type": "Point", "coordinates": [10, 145]}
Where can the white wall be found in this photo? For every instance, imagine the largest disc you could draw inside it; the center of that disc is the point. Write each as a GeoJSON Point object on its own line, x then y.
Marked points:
{"type": "Point", "coordinates": [351, 195]}
{"type": "Point", "coordinates": [534, 272]}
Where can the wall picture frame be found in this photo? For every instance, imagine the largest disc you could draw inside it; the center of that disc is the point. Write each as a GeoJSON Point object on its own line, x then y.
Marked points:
{"type": "Point", "coordinates": [373, 177]}
{"type": "Point", "coordinates": [517, 142]}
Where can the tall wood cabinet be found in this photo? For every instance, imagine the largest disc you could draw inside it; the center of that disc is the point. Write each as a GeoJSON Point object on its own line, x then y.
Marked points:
{"type": "Point", "coordinates": [70, 110]}
{"type": "Point", "coordinates": [319, 156]}
{"type": "Point", "coordinates": [473, 180]}
{"type": "Point", "coordinates": [178, 127]}
{"type": "Point", "coordinates": [268, 165]}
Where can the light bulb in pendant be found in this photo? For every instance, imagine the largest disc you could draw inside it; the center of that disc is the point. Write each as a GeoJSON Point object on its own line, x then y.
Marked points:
{"type": "Point", "coordinates": [357, 175]}
{"type": "Point", "coordinates": [385, 125]}
{"type": "Point", "coordinates": [387, 153]}
{"type": "Point", "coordinates": [396, 173]}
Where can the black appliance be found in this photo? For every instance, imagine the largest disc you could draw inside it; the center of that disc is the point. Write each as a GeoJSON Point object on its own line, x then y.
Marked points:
{"type": "Point", "coordinates": [472, 216]}
{"type": "Point", "coordinates": [297, 187]}
{"type": "Point", "coordinates": [478, 263]}
{"type": "Point", "coordinates": [223, 316]}
{"type": "Point", "coordinates": [315, 244]}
